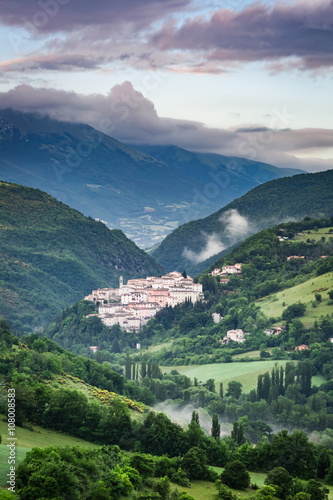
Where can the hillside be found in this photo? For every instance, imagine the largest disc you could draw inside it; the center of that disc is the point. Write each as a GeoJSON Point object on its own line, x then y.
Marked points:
{"type": "Point", "coordinates": [51, 256]}
{"type": "Point", "coordinates": [286, 199]}
{"type": "Point", "coordinates": [146, 197]}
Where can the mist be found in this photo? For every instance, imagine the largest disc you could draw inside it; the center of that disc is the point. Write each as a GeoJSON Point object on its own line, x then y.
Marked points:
{"type": "Point", "coordinates": [234, 227]}
{"type": "Point", "coordinates": [182, 417]}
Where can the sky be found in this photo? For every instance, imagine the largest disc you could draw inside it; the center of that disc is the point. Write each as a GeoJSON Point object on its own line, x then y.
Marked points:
{"type": "Point", "coordinates": [235, 77]}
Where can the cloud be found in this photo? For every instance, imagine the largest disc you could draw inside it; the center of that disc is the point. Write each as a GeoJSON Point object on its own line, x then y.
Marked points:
{"type": "Point", "coordinates": [301, 30]}
{"type": "Point", "coordinates": [49, 16]}
{"type": "Point", "coordinates": [234, 227]}
{"type": "Point", "coordinates": [287, 36]}
{"type": "Point", "coordinates": [213, 246]}
{"type": "Point", "coordinates": [126, 114]}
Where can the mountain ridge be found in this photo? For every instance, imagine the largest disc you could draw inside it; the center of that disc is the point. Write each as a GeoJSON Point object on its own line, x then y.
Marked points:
{"type": "Point", "coordinates": [279, 200]}
{"type": "Point", "coordinates": [51, 256]}
{"type": "Point", "coordinates": [130, 189]}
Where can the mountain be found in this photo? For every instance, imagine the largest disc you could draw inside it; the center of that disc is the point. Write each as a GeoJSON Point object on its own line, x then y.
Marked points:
{"type": "Point", "coordinates": [145, 196]}
{"type": "Point", "coordinates": [197, 244]}
{"type": "Point", "coordinates": [51, 256]}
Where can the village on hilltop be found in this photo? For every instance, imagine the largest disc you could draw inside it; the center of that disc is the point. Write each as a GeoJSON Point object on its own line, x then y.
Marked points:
{"type": "Point", "coordinates": [132, 305]}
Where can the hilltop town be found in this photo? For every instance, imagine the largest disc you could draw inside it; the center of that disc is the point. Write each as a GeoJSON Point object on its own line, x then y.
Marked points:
{"type": "Point", "coordinates": [133, 304]}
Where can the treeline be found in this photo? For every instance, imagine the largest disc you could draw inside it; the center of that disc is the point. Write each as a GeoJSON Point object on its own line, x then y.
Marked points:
{"type": "Point", "coordinates": [293, 466]}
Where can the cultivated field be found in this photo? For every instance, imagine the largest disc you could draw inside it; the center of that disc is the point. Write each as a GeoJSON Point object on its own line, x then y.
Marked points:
{"type": "Point", "coordinates": [272, 305]}
{"type": "Point", "coordinates": [245, 373]}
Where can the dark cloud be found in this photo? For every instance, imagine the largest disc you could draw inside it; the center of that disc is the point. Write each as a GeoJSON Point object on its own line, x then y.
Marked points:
{"type": "Point", "coordinates": [46, 16]}
{"type": "Point", "coordinates": [299, 30]}
{"type": "Point", "coordinates": [286, 36]}
{"type": "Point", "coordinates": [130, 117]}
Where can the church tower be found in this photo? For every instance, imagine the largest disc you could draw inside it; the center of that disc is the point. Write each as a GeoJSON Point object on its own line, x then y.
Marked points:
{"type": "Point", "coordinates": [121, 281]}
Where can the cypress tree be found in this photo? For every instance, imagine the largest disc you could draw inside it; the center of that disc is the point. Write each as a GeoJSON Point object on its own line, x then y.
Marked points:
{"type": "Point", "coordinates": [216, 428]}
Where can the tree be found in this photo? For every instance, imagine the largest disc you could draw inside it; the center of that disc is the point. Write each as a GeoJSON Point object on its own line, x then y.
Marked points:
{"type": "Point", "coordinates": [236, 476]}
{"type": "Point", "coordinates": [324, 462]}
{"type": "Point", "coordinates": [184, 274]}
{"type": "Point", "coordinates": [234, 389]}
{"type": "Point", "coordinates": [195, 417]}
{"type": "Point", "coordinates": [330, 294]}
{"type": "Point", "coordinates": [195, 463]}
{"type": "Point", "coordinates": [162, 486]}
{"type": "Point", "coordinates": [223, 491]}
{"type": "Point", "coordinates": [216, 427]}
{"type": "Point", "coordinates": [201, 401]}
{"type": "Point", "coordinates": [237, 434]}
{"type": "Point", "coordinates": [266, 493]}
{"type": "Point", "coordinates": [221, 390]}
{"type": "Point", "coordinates": [210, 384]}
{"type": "Point", "coordinates": [281, 481]}
{"type": "Point", "coordinates": [316, 490]}
{"type": "Point", "coordinates": [128, 366]}
{"type": "Point", "coordinates": [305, 369]}
{"type": "Point", "coordinates": [294, 311]}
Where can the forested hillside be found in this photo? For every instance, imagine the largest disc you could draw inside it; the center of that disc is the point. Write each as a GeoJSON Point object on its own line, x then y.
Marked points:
{"type": "Point", "coordinates": [160, 453]}
{"type": "Point", "coordinates": [191, 335]}
{"type": "Point", "coordinates": [51, 256]}
{"type": "Point", "coordinates": [280, 200]}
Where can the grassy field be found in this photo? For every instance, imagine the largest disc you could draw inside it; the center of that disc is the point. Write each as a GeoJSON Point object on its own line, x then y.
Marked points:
{"type": "Point", "coordinates": [245, 373]}
{"type": "Point", "coordinates": [26, 440]}
{"type": "Point", "coordinates": [272, 306]}
{"type": "Point", "coordinates": [252, 355]}
{"type": "Point", "coordinates": [314, 235]}
{"type": "Point", "coordinates": [201, 490]}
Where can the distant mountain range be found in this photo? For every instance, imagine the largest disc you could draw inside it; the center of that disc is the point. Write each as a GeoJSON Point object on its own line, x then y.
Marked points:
{"type": "Point", "coordinates": [196, 245]}
{"type": "Point", "coordinates": [51, 256]}
{"type": "Point", "coordinates": [147, 193]}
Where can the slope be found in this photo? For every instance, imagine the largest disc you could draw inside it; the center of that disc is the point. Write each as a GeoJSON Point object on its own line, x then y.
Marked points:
{"type": "Point", "coordinates": [290, 198]}
{"type": "Point", "coordinates": [103, 178]}
{"type": "Point", "coordinates": [51, 256]}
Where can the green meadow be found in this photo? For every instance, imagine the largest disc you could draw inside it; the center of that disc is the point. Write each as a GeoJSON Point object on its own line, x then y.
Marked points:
{"type": "Point", "coordinates": [272, 305]}
{"type": "Point", "coordinates": [245, 373]}
{"type": "Point", "coordinates": [27, 439]}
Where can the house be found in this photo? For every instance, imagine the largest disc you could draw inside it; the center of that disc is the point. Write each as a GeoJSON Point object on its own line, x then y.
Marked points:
{"type": "Point", "coordinates": [301, 347]}
{"type": "Point", "coordinates": [236, 335]}
{"type": "Point", "coordinates": [217, 317]}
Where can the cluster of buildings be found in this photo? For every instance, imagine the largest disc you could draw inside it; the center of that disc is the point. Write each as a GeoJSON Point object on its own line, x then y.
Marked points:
{"type": "Point", "coordinates": [132, 305]}
{"type": "Point", "coordinates": [235, 269]}
{"type": "Point", "coordinates": [236, 335]}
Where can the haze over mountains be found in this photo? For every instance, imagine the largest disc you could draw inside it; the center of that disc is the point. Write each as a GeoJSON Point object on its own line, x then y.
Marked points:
{"type": "Point", "coordinates": [147, 192]}
{"type": "Point", "coordinates": [196, 245]}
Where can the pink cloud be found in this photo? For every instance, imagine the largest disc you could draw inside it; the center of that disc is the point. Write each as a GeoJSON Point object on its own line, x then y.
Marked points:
{"type": "Point", "coordinates": [257, 33]}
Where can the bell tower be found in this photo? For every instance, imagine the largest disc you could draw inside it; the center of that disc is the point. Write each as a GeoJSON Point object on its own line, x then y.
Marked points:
{"type": "Point", "coordinates": [121, 281]}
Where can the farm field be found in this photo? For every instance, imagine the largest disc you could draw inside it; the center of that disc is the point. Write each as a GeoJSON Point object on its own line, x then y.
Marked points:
{"type": "Point", "coordinates": [245, 373]}
{"type": "Point", "coordinates": [314, 235]}
{"type": "Point", "coordinates": [272, 305]}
